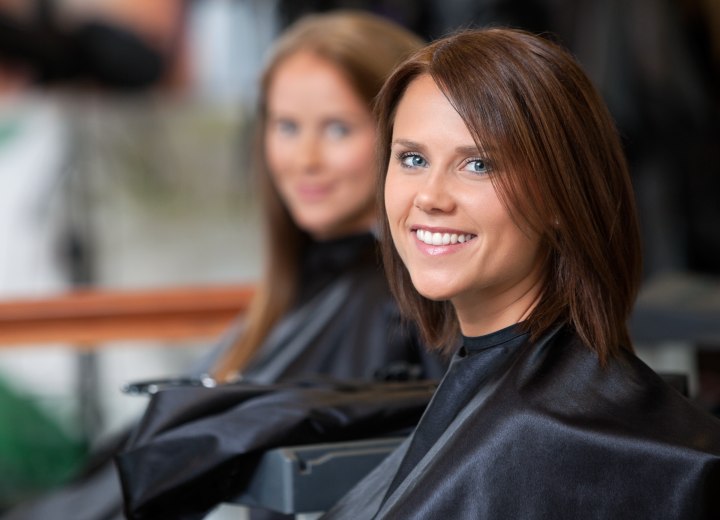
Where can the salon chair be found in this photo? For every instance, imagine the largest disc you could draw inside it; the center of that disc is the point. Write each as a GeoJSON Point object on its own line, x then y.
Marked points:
{"type": "Point", "coordinates": [307, 480]}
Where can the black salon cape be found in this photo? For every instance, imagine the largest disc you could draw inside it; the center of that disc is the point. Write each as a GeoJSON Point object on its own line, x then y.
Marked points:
{"type": "Point", "coordinates": [344, 324]}
{"type": "Point", "coordinates": [538, 430]}
{"type": "Point", "coordinates": [348, 325]}
{"type": "Point", "coordinates": [197, 447]}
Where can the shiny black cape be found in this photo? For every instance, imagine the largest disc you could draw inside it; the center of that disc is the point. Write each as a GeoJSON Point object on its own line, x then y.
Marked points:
{"type": "Point", "coordinates": [197, 447]}
{"type": "Point", "coordinates": [347, 324]}
{"type": "Point", "coordinates": [539, 430]}
{"type": "Point", "coordinates": [344, 324]}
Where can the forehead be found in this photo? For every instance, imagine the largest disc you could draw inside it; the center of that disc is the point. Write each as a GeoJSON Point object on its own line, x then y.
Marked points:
{"type": "Point", "coordinates": [424, 114]}
{"type": "Point", "coordinates": [305, 81]}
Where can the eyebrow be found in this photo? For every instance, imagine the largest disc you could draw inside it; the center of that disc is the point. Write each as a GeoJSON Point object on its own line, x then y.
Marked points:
{"type": "Point", "coordinates": [468, 150]}
{"type": "Point", "coordinates": [407, 143]}
{"type": "Point", "coordinates": [462, 150]}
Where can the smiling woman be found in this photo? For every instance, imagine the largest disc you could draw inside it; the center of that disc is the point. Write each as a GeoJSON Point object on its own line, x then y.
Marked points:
{"type": "Point", "coordinates": [320, 141]}
{"type": "Point", "coordinates": [509, 218]}
{"type": "Point", "coordinates": [454, 235]}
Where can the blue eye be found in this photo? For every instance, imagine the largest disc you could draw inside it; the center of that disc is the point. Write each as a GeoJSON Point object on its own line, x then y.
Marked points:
{"type": "Point", "coordinates": [337, 129]}
{"type": "Point", "coordinates": [413, 160]}
{"type": "Point", "coordinates": [476, 166]}
{"type": "Point", "coordinates": [286, 127]}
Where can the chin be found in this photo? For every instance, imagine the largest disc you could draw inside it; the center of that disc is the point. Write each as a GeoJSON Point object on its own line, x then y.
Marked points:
{"type": "Point", "coordinates": [313, 226]}
{"type": "Point", "coordinates": [432, 291]}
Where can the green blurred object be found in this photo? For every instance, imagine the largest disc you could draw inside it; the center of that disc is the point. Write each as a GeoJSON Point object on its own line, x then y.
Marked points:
{"type": "Point", "coordinates": [35, 453]}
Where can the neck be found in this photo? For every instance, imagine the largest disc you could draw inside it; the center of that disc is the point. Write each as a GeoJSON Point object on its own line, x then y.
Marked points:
{"type": "Point", "coordinates": [482, 314]}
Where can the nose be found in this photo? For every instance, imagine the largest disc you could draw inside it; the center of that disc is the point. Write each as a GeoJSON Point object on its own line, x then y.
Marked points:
{"type": "Point", "coordinates": [433, 195]}
{"type": "Point", "coordinates": [309, 153]}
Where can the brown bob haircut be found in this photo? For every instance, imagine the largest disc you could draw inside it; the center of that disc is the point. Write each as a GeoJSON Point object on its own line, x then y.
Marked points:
{"type": "Point", "coordinates": [365, 48]}
{"type": "Point", "coordinates": [557, 165]}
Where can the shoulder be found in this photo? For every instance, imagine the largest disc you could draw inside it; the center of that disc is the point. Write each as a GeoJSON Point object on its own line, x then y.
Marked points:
{"type": "Point", "coordinates": [561, 379]}
{"type": "Point", "coordinates": [556, 434]}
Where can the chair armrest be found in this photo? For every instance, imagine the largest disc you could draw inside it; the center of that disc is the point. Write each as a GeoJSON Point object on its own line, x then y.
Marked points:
{"type": "Point", "coordinates": [310, 478]}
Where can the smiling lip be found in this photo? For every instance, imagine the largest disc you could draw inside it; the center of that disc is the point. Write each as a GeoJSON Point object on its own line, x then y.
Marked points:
{"type": "Point", "coordinates": [441, 236]}
{"type": "Point", "coordinates": [310, 193]}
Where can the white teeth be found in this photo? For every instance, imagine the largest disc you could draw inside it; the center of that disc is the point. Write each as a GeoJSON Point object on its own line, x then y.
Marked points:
{"type": "Point", "coordinates": [441, 239]}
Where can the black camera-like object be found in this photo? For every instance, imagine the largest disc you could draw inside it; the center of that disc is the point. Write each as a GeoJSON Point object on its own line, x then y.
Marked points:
{"type": "Point", "coordinates": [97, 52]}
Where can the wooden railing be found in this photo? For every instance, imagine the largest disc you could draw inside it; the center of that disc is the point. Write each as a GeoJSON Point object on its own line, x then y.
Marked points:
{"type": "Point", "coordinates": [88, 318]}
{"type": "Point", "coordinates": [674, 307]}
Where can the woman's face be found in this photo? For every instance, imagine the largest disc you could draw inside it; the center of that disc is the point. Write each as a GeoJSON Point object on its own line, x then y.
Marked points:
{"type": "Point", "coordinates": [454, 235]}
{"type": "Point", "coordinates": [319, 146]}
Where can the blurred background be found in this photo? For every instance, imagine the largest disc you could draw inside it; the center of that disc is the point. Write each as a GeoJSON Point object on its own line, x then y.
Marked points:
{"type": "Point", "coordinates": [125, 138]}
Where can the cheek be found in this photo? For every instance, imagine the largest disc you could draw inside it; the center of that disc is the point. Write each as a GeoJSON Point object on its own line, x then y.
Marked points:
{"type": "Point", "coordinates": [489, 213]}
{"type": "Point", "coordinates": [275, 154]}
{"type": "Point", "coordinates": [521, 252]}
{"type": "Point", "coordinates": [498, 229]}
{"type": "Point", "coordinates": [396, 194]}
{"type": "Point", "coordinates": [355, 159]}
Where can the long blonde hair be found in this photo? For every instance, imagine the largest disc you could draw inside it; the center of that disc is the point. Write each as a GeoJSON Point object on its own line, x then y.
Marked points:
{"type": "Point", "coordinates": [365, 48]}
